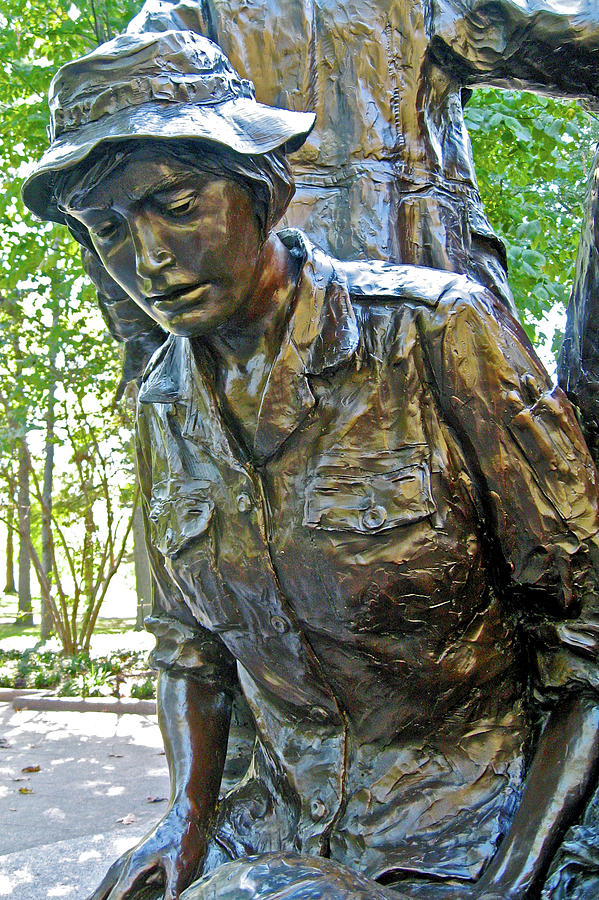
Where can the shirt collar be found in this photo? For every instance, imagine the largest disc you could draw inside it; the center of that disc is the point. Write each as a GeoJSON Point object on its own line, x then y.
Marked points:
{"type": "Point", "coordinates": [323, 327]}
{"type": "Point", "coordinates": [322, 333]}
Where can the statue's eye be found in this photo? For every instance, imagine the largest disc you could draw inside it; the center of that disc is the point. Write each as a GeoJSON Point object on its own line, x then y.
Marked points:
{"type": "Point", "coordinates": [182, 205]}
{"type": "Point", "coordinates": [105, 230]}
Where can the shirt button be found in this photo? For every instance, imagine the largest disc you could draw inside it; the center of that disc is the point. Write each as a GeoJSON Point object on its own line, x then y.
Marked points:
{"type": "Point", "coordinates": [244, 503]}
{"type": "Point", "coordinates": [317, 809]}
{"type": "Point", "coordinates": [374, 518]}
{"type": "Point", "coordinates": [279, 624]}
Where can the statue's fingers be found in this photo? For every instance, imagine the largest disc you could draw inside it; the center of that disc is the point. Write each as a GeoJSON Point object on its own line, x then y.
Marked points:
{"type": "Point", "coordinates": [110, 879]}
{"type": "Point", "coordinates": [132, 878]}
{"type": "Point", "coordinates": [177, 878]}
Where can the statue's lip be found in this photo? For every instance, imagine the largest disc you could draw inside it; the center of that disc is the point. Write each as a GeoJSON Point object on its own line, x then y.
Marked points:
{"type": "Point", "coordinates": [186, 292]}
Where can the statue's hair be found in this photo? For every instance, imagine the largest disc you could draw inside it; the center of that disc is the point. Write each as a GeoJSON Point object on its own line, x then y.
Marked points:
{"type": "Point", "coordinates": [267, 177]}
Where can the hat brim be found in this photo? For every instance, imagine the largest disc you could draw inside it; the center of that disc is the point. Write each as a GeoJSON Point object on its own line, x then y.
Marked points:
{"type": "Point", "coordinates": [241, 125]}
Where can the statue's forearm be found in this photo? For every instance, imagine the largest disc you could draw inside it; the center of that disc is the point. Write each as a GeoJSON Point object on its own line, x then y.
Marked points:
{"type": "Point", "coordinates": [194, 720]}
{"type": "Point", "coordinates": [561, 773]}
{"type": "Point", "coordinates": [550, 46]}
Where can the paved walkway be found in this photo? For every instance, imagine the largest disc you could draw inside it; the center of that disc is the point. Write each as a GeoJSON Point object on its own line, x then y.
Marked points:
{"type": "Point", "coordinates": [98, 790]}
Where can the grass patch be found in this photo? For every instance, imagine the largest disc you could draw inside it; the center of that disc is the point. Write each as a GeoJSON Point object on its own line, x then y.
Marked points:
{"type": "Point", "coordinates": [103, 626]}
{"type": "Point", "coordinates": [9, 630]}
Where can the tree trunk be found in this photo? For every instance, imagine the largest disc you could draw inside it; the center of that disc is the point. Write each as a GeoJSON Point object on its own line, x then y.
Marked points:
{"type": "Point", "coordinates": [10, 547]}
{"type": "Point", "coordinates": [142, 570]}
{"type": "Point", "coordinates": [88, 544]}
{"type": "Point", "coordinates": [46, 622]}
{"type": "Point", "coordinates": [25, 616]}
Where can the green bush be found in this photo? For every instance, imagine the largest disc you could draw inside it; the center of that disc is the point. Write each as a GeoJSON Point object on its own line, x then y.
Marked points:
{"type": "Point", "coordinates": [144, 690]}
{"type": "Point", "coordinates": [78, 675]}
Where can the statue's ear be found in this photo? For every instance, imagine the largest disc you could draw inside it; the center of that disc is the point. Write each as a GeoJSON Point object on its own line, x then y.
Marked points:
{"type": "Point", "coordinates": [79, 232]}
{"type": "Point", "coordinates": [105, 285]}
{"type": "Point", "coordinates": [126, 322]}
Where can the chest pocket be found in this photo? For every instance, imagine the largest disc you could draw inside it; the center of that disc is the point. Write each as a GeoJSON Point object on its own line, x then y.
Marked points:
{"type": "Point", "coordinates": [368, 501]}
{"type": "Point", "coordinates": [179, 515]}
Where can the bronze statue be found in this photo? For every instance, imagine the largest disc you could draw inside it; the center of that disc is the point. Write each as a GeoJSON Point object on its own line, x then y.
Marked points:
{"type": "Point", "coordinates": [387, 172]}
{"type": "Point", "coordinates": [391, 176]}
{"type": "Point", "coordinates": [367, 509]}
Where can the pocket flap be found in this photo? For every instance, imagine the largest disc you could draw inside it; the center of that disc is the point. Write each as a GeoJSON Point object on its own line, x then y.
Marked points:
{"type": "Point", "coordinates": [368, 502]}
{"type": "Point", "coordinates": [177, 519]}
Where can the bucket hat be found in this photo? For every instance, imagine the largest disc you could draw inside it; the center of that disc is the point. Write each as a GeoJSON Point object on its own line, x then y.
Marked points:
{"type": "Point", "coordinates": [171, 85]}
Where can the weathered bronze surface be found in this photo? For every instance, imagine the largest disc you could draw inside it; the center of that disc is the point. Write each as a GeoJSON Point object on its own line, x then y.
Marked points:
{"type": "Point", "coordinates": [388, 171]}
{"type": "Point", "coordinates": [367, 508]}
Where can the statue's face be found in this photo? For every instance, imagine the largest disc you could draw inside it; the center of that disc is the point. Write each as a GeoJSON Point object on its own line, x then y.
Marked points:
{"type": "Point", "coordinates": [184, 245]}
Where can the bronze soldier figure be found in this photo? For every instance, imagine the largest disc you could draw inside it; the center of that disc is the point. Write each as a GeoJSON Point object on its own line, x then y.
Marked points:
{"type": "Point", "coordinates": [387, 172]}
{"type": "Point", "coordinates": [367, 509]}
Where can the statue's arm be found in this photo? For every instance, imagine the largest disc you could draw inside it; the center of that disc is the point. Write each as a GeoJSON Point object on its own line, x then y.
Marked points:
{"type": "Point", "coordinates": [551, 47]}
{"type": "Point", "coordinates": [562, 773]}
{"type": "Point", "coordinates": [539, 492]}
{"type": "Point", "coordinates": [578, 364]}
{"type": "Point", "coordinates": [196, 684]}
{"type": "Point", "coordinates": [194, 721]}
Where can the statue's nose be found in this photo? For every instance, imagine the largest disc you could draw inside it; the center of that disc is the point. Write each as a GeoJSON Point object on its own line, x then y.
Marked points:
{"type": "Point", "coordinates": [151, 256]}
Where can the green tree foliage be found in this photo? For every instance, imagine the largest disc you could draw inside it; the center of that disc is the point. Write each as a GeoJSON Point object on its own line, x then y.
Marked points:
{"type": "Point", "coordinates": [54, 346]}
{"type": "Point", "coordinates": [532, 155]}
{"type": "Point", "coordinates": [40, 270]}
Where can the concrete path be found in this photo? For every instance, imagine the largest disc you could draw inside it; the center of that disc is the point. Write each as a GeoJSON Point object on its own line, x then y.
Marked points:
{"type": "Point", "coordinates": [102, 783]}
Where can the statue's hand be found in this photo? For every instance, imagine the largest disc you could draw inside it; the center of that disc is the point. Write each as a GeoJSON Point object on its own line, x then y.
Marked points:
{"type": "Point", "coordinates": [170, 853]}
{"type": "Point", "coordinates": [492, 892]}
{"type": "Point", "coordinates": [475, 892]}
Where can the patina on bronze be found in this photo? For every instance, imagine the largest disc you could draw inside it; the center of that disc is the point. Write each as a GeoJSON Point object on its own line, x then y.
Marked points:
{"type": "Point", "coordinates": [367, 509]}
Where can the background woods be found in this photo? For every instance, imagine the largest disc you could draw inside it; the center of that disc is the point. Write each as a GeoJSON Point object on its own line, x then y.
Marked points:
{"type": "Point", "coordinates": [532, 155]}
{"type": "Point", "coordinates": [66, 476]}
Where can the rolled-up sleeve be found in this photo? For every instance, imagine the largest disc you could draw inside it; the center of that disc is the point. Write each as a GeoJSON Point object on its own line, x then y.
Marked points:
{"type": "Point", "coordinates": [190, 651]}
{"type": "Point", "coordinates": [183, 646]}
{"type": "Point", "coordinates": [520, 43]}
{"type": "Point", "coordinates": [536, 481]}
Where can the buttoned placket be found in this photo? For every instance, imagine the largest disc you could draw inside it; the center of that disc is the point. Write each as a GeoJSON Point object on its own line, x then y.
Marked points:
{"type": "Point", "coordinates": [322, 812]}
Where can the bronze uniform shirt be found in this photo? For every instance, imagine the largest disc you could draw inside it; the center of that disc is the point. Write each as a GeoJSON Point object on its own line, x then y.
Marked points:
{"type": "Point", "coordinates": [404, 552]}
